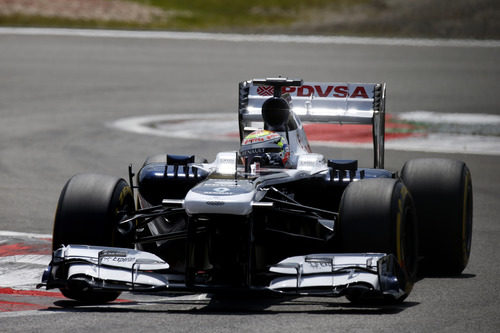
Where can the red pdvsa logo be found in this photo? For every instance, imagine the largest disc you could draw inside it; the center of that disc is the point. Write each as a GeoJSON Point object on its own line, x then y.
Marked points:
{"type": "Point", "coordinates": [340, 91]}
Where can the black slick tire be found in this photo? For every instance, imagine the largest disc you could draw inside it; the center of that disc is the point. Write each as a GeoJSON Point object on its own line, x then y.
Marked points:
{"type": "Point", "coordinates": [377, 215]}
{"type": "Point", "coordinates": [442, 191]}
{"type": "Point", "coordinates": [89, 209]}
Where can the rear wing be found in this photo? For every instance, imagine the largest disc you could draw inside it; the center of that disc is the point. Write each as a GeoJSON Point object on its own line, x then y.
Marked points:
{"type": "Point", "coordinates": [329, 102]}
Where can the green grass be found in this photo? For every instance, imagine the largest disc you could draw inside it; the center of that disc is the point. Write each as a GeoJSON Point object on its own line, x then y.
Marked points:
{"type": "Point", "coordinates": [236, 13]}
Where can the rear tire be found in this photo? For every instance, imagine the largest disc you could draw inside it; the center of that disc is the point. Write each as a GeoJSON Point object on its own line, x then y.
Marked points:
{"type": "Point", "coordinates": [89, 209]}
{"type": "Point", "coordinates": [442, 191]}
{"type": "Point", "coordinates": [377, 215]}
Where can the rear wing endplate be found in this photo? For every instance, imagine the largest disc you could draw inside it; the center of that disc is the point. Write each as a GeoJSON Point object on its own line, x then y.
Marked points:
{"type": "Point", "coordinates": [329, 102]}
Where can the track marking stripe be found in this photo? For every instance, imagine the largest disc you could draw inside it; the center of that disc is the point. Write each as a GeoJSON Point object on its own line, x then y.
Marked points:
{"type": "Point", "coordinates": [8, 306]}
{"type": "Point", "coordinates": [6, 233]}
{"type": "Point", "coordinates": [35, 259]}
{"type": "Point", "coordinates": [22, 249]}
{"type": "Point", "coordinates": [21, 277]}
{"type": "Point", "coordinates": [25, 313]}
{"type": "Point", "coordinates": [431, 117]}
{"type": "Point", "coordinates": [225, 37]}
{"type": "Point", "coordinates": [16, 292]}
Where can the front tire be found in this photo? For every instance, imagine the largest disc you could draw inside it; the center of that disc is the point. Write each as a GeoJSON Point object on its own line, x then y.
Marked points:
{"type": "Point", "coordinates": [377, 215]}
{"type": "Point", "coordinates": [89, 209]}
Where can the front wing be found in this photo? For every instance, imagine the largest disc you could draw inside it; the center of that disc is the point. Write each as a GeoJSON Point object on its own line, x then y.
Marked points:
{"type": "Point", "coordinates": [122, 269]}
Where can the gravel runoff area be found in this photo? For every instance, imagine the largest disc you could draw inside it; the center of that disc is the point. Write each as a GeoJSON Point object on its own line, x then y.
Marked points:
{"type": "Point", "coordinates": [103, 10]}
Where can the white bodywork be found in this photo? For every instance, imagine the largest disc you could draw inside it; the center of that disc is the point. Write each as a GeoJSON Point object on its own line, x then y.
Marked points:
{"type": "Point", "coordinates": [220, 197]}
{"type": "Point", "coordinates": [113, 264]}
{"type": "Point", "coordinates": [327, 271]}
{"type": "Point", "coordinates": [322, 102]}
{"type": "Point", "coordinates": [327, 274]}
{"type": "Point", "coordinates": [230, 195]}
{"type": "Point", "coordinates": [338, 102]}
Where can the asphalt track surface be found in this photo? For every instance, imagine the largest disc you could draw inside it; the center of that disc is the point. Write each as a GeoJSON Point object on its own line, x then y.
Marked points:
{"type": "Point", "coordinates": [58, 93]}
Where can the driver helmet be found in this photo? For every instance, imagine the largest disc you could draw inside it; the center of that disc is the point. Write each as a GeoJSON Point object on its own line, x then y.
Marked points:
{"type": "Point", "coordinates": [266, 147]}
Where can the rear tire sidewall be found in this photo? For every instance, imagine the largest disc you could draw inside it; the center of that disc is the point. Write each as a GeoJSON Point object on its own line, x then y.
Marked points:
{"type": "Point", "coordinates": [442, 191]}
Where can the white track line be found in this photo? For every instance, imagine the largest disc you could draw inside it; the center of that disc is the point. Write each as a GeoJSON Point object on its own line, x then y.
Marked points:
{"type": "Point", "coordinates": [432, 143]}
{"type": "Point", "coordinates": [22, 271]}
{"type": "Point", "coordinates": [30, 313]}
{"type": "Point", "coordinates": [22, 278]}
{"type": "Point", "coordinates": [224, 37]}
{"type": "Point", "coordinates": [431, 117]}
{"type": "Point", "coordinates": [5, 233]}
{"type": "Point", "coordinates": [33, 259]}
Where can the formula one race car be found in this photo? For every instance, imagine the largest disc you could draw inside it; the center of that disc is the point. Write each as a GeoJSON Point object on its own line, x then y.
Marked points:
{"type": "Point", "coordinates": [272, 217]}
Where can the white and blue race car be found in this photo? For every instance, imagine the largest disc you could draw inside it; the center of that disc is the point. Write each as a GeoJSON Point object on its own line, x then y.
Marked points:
{"type": "Point", "coordinates": [272, 217]}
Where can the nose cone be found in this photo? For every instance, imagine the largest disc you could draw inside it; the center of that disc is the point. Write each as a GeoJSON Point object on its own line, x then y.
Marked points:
{"type": "Point", "coordinates": [275, 112]}
{"type": "Point", "coordinates": [220, 196]}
